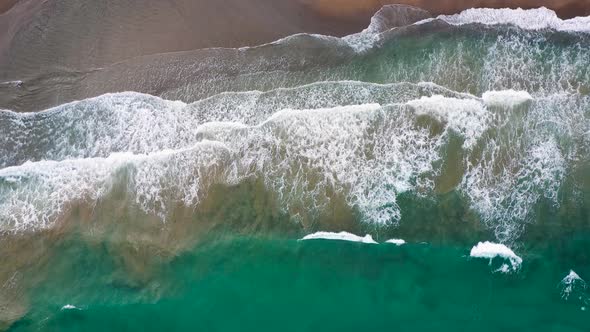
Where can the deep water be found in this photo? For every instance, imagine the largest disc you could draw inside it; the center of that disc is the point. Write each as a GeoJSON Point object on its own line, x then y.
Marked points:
{"type": "Point", "coordinates": [272, 283]}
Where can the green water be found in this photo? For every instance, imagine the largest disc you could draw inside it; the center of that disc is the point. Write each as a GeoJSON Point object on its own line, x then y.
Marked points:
{"type": "Point", "coordinates": [269, 283]}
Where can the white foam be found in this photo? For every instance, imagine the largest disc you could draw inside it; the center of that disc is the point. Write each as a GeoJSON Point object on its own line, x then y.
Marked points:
{"type": "Point", "coordinates": [299, 39]}
{"type": "Point", "coordinates": [397, 242]}
{"type": "Point", "coordinates": [571, 283]}
{"type": "Point", "coordinates": [530, 19]}
{"type": "Point", "coordinates": [467, 117]}
{"type": "Point", "coordinates": [290, 114]}
{"type": "Point", "coordinates": [140, 123]}
{"type": "Point", "coordinates": [69, 307]}
{"type": "Point", "coordinates": [504, 268]}
{"type": "Point", "coordinates": [342, 236]}
{"type": "Point", "coordinates": [506, 98]}
{"type": "Point", "coordinates": [361, 152]}
{"type": "Point", "coordinates": [285, 150]}
{"type": "Point", "coordinates": [492, 250]}
{"type": "Point", "coordinates": [571, 277]}
{"type": "Point", "coordinates": [41, 192]}
{"type": "Point", "coordinates": [385, 19]}
{"type": "Point", "coordinates": [12, 83]}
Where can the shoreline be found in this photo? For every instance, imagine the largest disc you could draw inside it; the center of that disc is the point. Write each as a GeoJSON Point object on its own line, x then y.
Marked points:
{"type": "Point", "coordinates": [96, 34]}
{"type": "Point", "coordinates": [356, 9]}
{"type": "Point", "coordinates": [365, 8]}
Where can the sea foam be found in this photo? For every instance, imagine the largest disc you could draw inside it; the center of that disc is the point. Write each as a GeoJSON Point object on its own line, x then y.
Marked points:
{"type": "Point", "coordinates": [342, 236]}
{"type": "Point", "coordinates": [492, 250]}
{"type": "Point", "coordinates": [530, 19]}
{"type": "Point", "coordinates": [397, 242]}
{"type": "Point", "coordinates": [387, 18]}
{"type": "Point", "coordinates": [69, 307]}
{"type": "Point", "coordinates": [141, 123]}
{"type": "Point", "coordinates": [365, 143]}
{"type": "Point", "coordinates": [465, 116]}
{"type": "Point", "coordinates": [571, 284]}
{"type": "Point", "coordinates": [506, 98]}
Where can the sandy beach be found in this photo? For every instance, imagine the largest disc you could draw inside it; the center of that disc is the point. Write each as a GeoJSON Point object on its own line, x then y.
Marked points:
{"type": "Point", "coordinates": [47, 36]}
{"type": "Point", "coordinates": [49, 49]}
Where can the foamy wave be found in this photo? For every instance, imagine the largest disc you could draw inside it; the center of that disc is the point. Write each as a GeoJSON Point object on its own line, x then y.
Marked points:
{"type": "Point", "coordinates": [506, 99]}
{"type": "Point", "coordinates": [36, 195]}
{"type": "Point", "coordinates": [492, 250]}
{"type": "Point", "coordinates": [574, 289]}
{"type": "Point", "coordinates": [140, 123]}
{"type": "Point", "coordinates": [397, 242]}
{"type": "Point", "coordinates": [69, 307]}
{"type": "Point", "coordinates": [465, 116]}
{"type": "Point", "coordinates": [530, 19]}
{"type": "Point", "coordinates": [570, 282]}
{"type": "Point", "coordinates": [387, 18]}
{"type": "Point", "coordinates": [287, 150]}
{"type": "Point", "coordinates": [342, 236]}
{"type": "Point", "coordinates": [366, 154]}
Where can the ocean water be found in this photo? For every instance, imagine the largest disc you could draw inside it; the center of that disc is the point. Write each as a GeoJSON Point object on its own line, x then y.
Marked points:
{"type": "Point", "coordinates": [257, 188]}
{"type": "Point", "coordinates": [270, 283]}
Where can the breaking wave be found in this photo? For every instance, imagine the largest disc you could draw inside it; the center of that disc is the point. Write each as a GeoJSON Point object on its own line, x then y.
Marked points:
{"type": "Point", "coordinates": [531, 19]}
{"type": "Point", "coordinates": [360, 142]}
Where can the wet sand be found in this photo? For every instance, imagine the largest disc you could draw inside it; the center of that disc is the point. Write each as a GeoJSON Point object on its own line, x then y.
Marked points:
{"type": "Point", "coordinates": [48, 36]}
{"type": "Point", "coordinates": [86, 34]}
{"type": "Point", "coordinates": [6, 5]}
{"type": "Point", "coordinates": [50, 50]}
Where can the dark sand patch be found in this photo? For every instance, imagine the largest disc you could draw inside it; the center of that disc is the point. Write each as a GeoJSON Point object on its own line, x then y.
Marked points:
{"type": "Point", "coordinates": [5, 5]}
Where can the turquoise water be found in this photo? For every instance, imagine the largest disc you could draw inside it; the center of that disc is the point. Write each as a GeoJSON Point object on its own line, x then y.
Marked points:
{"type": "Point", "coordinates": [136, 211]}
{"type": "Point", "coordinates": [269, 283]}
